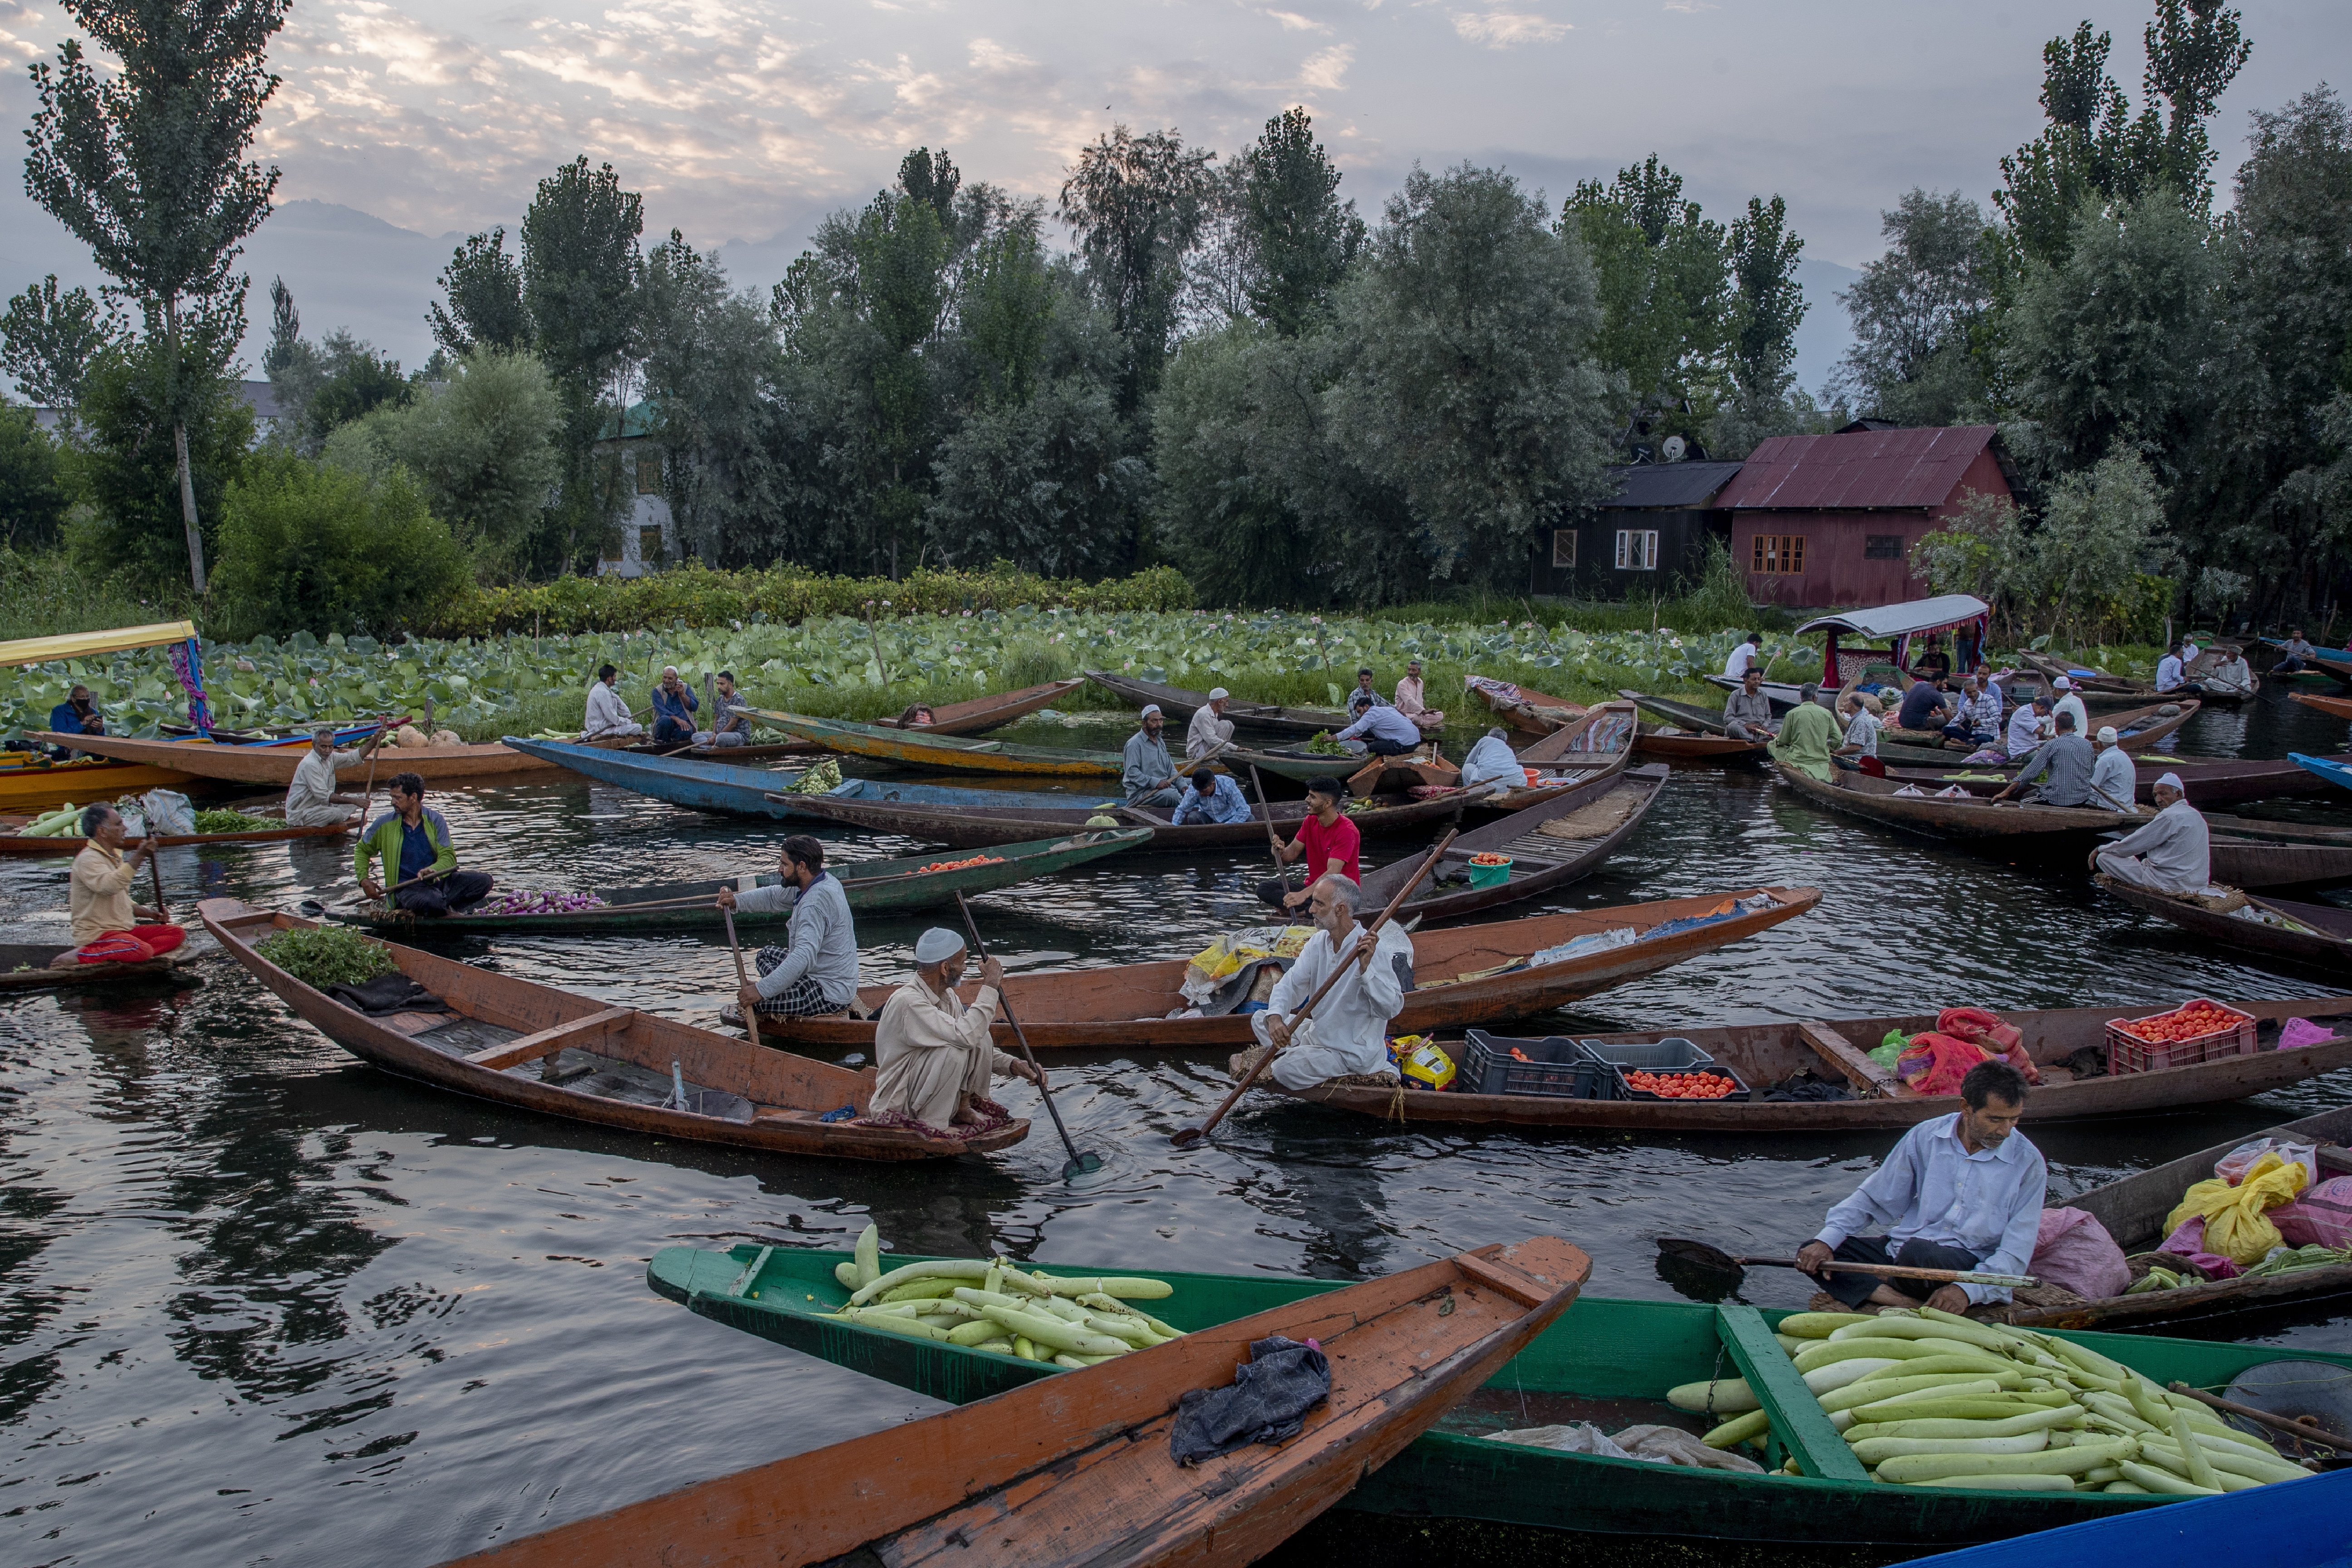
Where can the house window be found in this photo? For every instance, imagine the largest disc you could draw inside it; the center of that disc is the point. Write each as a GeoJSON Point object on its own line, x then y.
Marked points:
{"type": "Point", "coordinates": [1637, 550]}
{"type": "Point", "coordinates": [1882, 547]}
{"type": "Point", "coordinates": [649, 545]}
{"type": "Point", "coordinates": [1563, 547]}
{"type": "Point", "coordinates": [1780, 554]}
{"type": "Point", "coordinates": [648, 473]}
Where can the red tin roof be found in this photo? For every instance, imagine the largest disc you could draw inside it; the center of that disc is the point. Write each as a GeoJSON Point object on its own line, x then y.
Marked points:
{"type": "Point", "coordinates": [1918, 467]}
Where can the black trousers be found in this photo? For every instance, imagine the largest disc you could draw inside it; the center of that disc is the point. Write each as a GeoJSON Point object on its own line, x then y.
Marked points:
{"type": "Point", "coordinates": [1853, 1289]}
{"type": "Point", "coordinates": [1379, 747]}
{"type": "Point", "coordinates": [1271, 890]}
{"type": "Point", "coordinates": [457, 890]}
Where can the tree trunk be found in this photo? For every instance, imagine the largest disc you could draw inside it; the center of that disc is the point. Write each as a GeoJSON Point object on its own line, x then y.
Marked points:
{"type": "Point", "coordinates": [180, 450]}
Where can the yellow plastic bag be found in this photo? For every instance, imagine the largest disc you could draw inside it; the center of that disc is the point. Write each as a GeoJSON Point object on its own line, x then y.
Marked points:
{"type": "Point", "coordinates": [2235, 1226]}
{"type": "Point", "coordinates": [1233, 948]}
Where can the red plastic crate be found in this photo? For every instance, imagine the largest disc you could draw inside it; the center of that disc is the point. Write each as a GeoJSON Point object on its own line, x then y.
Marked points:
{"type": "Point", "coordinates": [2127, 1053]}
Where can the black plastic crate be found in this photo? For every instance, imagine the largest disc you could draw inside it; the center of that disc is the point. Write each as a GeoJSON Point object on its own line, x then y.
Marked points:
{"type": "Point", "coordinates": [1558, 1068]}
{"type": "Point", "coordinates": [1624, 1091]}
{"type": "Point", "coordinates": [1673, 1053]}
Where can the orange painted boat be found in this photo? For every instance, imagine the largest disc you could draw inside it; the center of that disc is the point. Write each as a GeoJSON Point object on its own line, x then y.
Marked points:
{"type": "Point", "coordinates": [2341, 706]}
{"type": "Point", "coordinates": [29, 783]}
{"type": "Point", "coordinates": [532, 1046]}
{"type": "Point", "coordinates": [274, 765]}
{"type": "Point", "coordinates": [1077, 1469]}
{"type": "Point", "coordinates": [1525, 708]}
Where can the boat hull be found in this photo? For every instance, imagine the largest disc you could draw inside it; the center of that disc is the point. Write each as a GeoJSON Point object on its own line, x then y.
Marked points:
{"type": "Point", "coordinates": [2208, 782]}
{"type": "Point", "coordinates": [36, 788]}
{"type": "Point", "coordinates": [927, 748]}
{"type": "Point", "coordinates": [1179, 704]}
{"type": "Point", "coordinates": [2251, 936]}
{"type": "Point", "coordinates": [2022, 832]}
{"type": "Point", "coordinates": [727, 789]}
{"type": "Point", "coordinates": [19, 844]}
{"type": "Point", "coordinates": [26, 967]}
{"type": "Point", "coordinates": [1578, 859]}
{"type": "Point", "coordinates": [977, 827]}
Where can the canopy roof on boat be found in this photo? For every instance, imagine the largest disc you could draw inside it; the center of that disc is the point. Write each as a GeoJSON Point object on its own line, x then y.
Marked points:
{"type": "Point", "coordinates": [1919, 616]}
{"type": "Point", "coordinates": [80, 645]}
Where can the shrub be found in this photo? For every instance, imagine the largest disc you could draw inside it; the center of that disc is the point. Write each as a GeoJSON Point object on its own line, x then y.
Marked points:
{"type": "Point", "coordinates": [308, 545]}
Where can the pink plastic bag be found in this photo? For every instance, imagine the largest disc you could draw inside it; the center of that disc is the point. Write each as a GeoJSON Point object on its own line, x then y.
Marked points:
{"type": "Point", "coordinates": [2188, 1242]}
{"type": "Point", "coordinates": [1935, 1063]}
{"type": "Point", "coordinates": [2319, 1216]}
{"type": "Point", "coordinates": [2073, 1249]}
{"type": "Point", "coordinates": [2302, 1032]}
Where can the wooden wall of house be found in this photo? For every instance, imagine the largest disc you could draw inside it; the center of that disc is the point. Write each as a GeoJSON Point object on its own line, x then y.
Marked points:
{"type": "Point", "coordinates": [1848, 560]}
{"type": "Point", "coordinates": [1682, 536]}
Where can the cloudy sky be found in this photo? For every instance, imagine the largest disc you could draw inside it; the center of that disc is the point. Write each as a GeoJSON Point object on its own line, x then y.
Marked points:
{"type": "Point", "coordinates": [744, 121]}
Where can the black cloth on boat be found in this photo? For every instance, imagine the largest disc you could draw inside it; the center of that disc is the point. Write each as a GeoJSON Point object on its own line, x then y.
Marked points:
{"type": "Point", "coordinates": [389, 993]}
{"type": "Point", "coordinates": [2091, 1061]}
{"type": "Point", "coordinates": [1267, 1402]}
{"type": "Point", "coordinates": [1805, 1086]}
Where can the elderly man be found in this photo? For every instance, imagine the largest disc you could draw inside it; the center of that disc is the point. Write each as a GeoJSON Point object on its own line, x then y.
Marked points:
{"type": "Point", "coordinates": [1214, 797]}
{"type": "Point", "coordinates": [310, 799]}
{"type": "Point", "coordinates": [1807, 736]}
{"type": "Point", "coordinates": [934, 1062]}
{"type": "Point", "coordinates": [1976, 719]}
{"type": "Point", "coordinates": [816, 975]}
{"type": "Point", "coordinates": [1146, 771]}
{"type": "Point", "coordinates": [673, 705]}
{"type": "Point", "coordinates": [2067, 763]}
{"type": "Point", "coordinates": [1348, 1032]}
{"type": "Point", "coordinates": [2295, 654]}
{"type": "Point", "coordinates": [2233, 676]}
{"type": "Point", "coordinates": [108, 927]}
{"type": "Point", "coordinates": [1382, 730]}
{"type": "Point", "coordinates": [1862, 728]}
{"type": "Point", "coordinates": [608, 717]}
{"type": "Point", "coordinates": [1493, 763]}
{"type": "Point", "coordinates": [2029, 727]}
{"type": "Point", "coordinates": [731, 718]}
{"type": "Point", "coordinates": [1961, 1192]}
{"type": "Point", "coordinates": [2172, 853]}
{"type": "Point", "coordinates": [1331, 845]}
{"type": "Point", "coordinates": [2071, 702]}
{"type": "Point", "coordinates": [1210, 731]}
{"type": "Point", "coordinates": [414, 844]}
{"type": "Point", "coordinates": [1747, 713]}
{"type": "Point", "coordinates": [77, 715]}
{"type": "Point", "coordinates": [1410, 699]}
{"type": "Point", "coordinates": [1745, 655]}
{"type": "Point", "coordinates": [2114, 781]}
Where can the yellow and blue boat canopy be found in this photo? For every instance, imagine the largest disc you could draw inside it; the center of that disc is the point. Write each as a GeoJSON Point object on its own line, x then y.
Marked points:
{"type": "Point", "coordinates": [81, 645]}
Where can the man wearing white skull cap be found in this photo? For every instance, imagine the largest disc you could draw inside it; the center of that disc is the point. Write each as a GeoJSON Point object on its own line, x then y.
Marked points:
{"type": "Point", "coordinates": [933, 1059]}
{"type": "Point", "coordinates": [1210, 730]}
{"type": "Point", "coordinates": [2173, 853]}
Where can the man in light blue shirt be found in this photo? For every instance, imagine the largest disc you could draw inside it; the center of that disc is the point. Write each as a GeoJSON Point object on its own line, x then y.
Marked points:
{"type": "Point", "coordinates": [1492, 761]}
{"type": "Point", "coordinates": [1214, 797]}
{"type": "Point", "coordinates": [2172, 676]}
{"type": "Point", "coordinates": [1961, 1192]}
{"type": "Point", "coordinates": [816, 977]}
{"type": "Point", "coordinates": [1384, 732]}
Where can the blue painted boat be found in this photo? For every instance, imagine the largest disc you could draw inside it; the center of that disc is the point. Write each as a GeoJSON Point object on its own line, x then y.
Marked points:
{"type": "Point", "coordinates": [2328, 768]}
{"type": "Point", "coordinates": [2293, 1524]}
{"type": "Point", "coordinates": [731, 791]}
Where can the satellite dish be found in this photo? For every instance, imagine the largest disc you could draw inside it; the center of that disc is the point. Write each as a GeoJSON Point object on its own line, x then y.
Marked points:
{"type": "Point", "coordinates": [1673, 449]}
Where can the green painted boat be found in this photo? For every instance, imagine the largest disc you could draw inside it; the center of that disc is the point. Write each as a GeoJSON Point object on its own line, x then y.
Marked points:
{"type": "Point", "coordinates": [872, 886]}
{"type": "Point", "coordinates": [1606, 1361]}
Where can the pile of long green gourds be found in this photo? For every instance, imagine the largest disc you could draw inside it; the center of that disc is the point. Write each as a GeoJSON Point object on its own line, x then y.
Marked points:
{"type": "Point", "coordinates": [63, 823]}
{"type": "Point", "coordinates": [1929, 1398]}
{"type": "Point", "coordinates": [990, 1304]}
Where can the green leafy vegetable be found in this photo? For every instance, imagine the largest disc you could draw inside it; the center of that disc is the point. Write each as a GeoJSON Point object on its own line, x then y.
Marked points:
{"type": "Point", "coordinates": [328, 955]}
{"type": "Point", "coordinates": [226, 821]}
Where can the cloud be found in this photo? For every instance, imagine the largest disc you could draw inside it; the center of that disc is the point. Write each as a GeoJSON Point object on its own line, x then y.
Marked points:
{"type": "Point", "coordinates": [1508, 29]}
{"type": "Point", "coordinates": [1328, 68]}
{"type": "Point", "coordinates": [1292, 22]}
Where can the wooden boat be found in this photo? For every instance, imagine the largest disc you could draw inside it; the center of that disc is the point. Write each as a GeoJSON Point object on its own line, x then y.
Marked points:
{"type": "Point", "coordinates": [2136, 732]}
{"type": "Point", "coordinates": [872, 886]}
{"type": "Point", "coordinates": [35, 781]}
{"type": "Point", "coordinates": [1179, 704]}
{"type": "Point", "coordinates": [1609, 811]}
{"type": "Point", "coordinates": [981, 827]}
{"type": "Point", "coordinates": [978, 715]}
{"type": "Point", "coordinates": [2027, 831]}
{"type": "Point", "coordinates": [32, 966]}
{"type": "Point", "coordinates": [2208, 782]}
{"type": "Point", "coordinates": [2265, 862]}
{"type": "Point", "coordinates": [727, 789]}
{"type": "Point", "coordinates": [1523, 708]}
{"type": "Point", "coordinates": [12, 842]}
{"type": "Point", "coordinates": [923, 748]}
{"type": "Point", "coordinates": [1606, 1360]}
{"type": "Point", "coordinates": [1763, 1053]}
{"type": "Point", "coordinates": [274, 765]}
{"type": "Point", "coordinates": [2325, 937]}
{"type": "Point", "coordinates": [2335, 770]}
{"type": "Point", "coordinates": [1077, 1470]}
{"type": "Point", "coordinates": [537, 1048]}
{"type": "Point", "coordinates": [2341, 707]}
{"type": "Point", "coordinates": [1359, 774]}
{"type": "Point", "coordinates": [1602, 733]}
{"type": "Point", "coordinates": [2337, 662]}
{"type": "Point", "coordinates": [1690, 734]}
{"type": "Point", "coordinates": [1468, 974]}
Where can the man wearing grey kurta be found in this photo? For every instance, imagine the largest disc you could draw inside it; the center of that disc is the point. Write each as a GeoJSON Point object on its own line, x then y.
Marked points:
{"type": "Point", "coordinates": [1747, 713]}
{"type": "Point", "coordinates": [1146, 771]}
{"type": "Point", "coordinates": [2066, 762]}
{"type": "Point", "coordinates": [817, 973]}
{"type": "Point", "coordinates": [2173, 853]}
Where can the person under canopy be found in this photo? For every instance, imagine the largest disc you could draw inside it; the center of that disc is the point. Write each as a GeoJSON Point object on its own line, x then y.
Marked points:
{"type": "Point", "coordinates": [1383, 731]}
{"type": "Point", "coordinates": [1210, 730]}
{"type": "Point", "coordinates": [1933, 665]}
{"type": "Point", "coordinates": [1146, 771]}
{"type": "Point", "coordinates": [1412, 699]}
{"type": "Point", "coordinates": [1492, 761]}
{"type": "Point", "coordinates": [413, 842]}
{"type": "Point", "coordinates": [1961, 1192]}
{"type": "Point", "coordinates": [816, 975]}
{"type": "Point", "coordinates": [1808, 736]}
{"type": "Point", "coordinates": [934, 1060]}
{"type": "Point", "coordinates": [2233, 676]}
{"type": "Point", "coordinates": [77, 715]}
{"type": "Point", "coordinates": [106, 926]}
{"type": "Point", "coordinates": [731, 718]}
{"type": "Point", "coordinates": [1349, 1032]}
{"type": "Point", "coordinates": [2173, 853]}
{"type": "Point", "coordinates": [1214, 797]}
{"type": "Point", "coordinates": [310, 799]}
{"type": "Point", "coordinates": [674, 707]}
{"type": "Point", "coordinates": [608, 717]}
{"type": "Point", "coordinates": [2067, 763]}
{"type": "Point", "coordinates": [1747, 713]}
{"type": "Point", "coordinates": [2115, 780]}
{"type": "Point", "coordinates": [1331, 845]}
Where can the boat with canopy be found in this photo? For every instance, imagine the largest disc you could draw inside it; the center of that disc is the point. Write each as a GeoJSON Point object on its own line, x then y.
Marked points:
{"type": "Point", "coordinates": [1884, 637]}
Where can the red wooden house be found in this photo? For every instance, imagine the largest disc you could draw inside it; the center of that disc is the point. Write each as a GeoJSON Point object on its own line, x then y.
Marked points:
{"type": "Point", "coordinates": [1828, 521]}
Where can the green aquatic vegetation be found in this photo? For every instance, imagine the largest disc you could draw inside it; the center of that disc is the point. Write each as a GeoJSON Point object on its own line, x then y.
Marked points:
{"type": "Point", "coordinates": [226, 821]}
{"type": "Point", "coordinates": [326, 955]}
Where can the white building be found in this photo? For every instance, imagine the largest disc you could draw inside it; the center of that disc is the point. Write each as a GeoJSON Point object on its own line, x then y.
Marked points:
{"type": "Point", "coordinates": [648, 533]}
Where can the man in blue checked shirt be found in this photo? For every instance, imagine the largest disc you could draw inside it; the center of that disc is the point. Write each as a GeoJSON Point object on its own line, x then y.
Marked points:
{"type": "Point", "coordinates": [1214, 797]}
{"type": "Point", "coordinates": [1961, 1192]}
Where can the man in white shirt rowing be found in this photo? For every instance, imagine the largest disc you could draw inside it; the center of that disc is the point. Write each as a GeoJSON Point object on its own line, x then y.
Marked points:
{"type": "Point", "coordinates": [311, 800]}
{"type": "Point", "coordinates": [934, 1061]}
{"type": "Point", "coordinates": [1348, 1032]}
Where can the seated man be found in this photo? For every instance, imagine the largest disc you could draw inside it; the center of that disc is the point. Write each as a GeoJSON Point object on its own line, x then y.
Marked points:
{"type": "Point", "coordinates": [1384, 732]}
{"type": "Point", "coordinates": [1923, 706]}
{"type": "Point", "coordinates": [2172, 853]}
{"type": "Point", "coordinates": [918, 716]}
{"type": "Point", "coordinates": [1934, 666]}
{"type": "Point", "coordinates": [1962, 1192]}
{"type": "Point", "coordinates": [816, 975]}
{"type": "Point", "coordinates": [414, 844]}
{"type": "Point", "coordinates": [1747, 713]}
{"type": "Point", "coordinates": [2029, 727]}
{"type": "Point", "coordinates": [1349, 1032]}
{"type": "Point", "coordinates": [2114, 779]}
{"type": "Point", "coordinates": [1331, 845]}
{"type": "Point", "coordinates": [1362, 699]}
{"type": "Point", "coordinates": [1492, 761]}
{"type": "Point", "coordinates": [2172, 673]}
{"type": "Point", "coordinates": [731, 722]}
{"type": "Point", "coordinates": [934, 1061]}
{"type": "Point", "coordinates": [310, 799]}
{"type": "Point", "coordinates": [2233, 676]}
{"type": "Point", "coordinates": [2293, 657]}
{"type": "Point", "coordinates": [108, 927]}
{"type": "Point", "coordinates": [1807, 736]}
{"type": "Point", "coordinates": [1976, 720]}
{"type": "Point", "coordinates": [1210, 731]}
{"type": "Point", "coordinates": [77, 715]}
{"type": "Point", "coordinates": [1214, 797]}
{"type": "Point", "coordinates": [2067, 763]}
{"type": "Point", "coordinates": [608, 717]}
{"type": "Point", "coordinates": [1411, 700]}
{"type": "Point", "coordinates": [1862, 728]}
{"type": "Point", "coordinates": [673, 705]}
{"type": "Point", "coordinates": [1146, 771]}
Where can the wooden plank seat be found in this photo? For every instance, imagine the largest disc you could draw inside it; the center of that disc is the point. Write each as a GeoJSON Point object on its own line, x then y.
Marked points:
{"type": "Point", "coordinates": [579, 1032]}
{"type": "Point", "coordinates": [1867, 1078]}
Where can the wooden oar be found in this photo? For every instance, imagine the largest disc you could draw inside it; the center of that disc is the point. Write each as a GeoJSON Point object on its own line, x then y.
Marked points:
{"type": "Point", "coordinates": [1080, 1165]}
{"type": "Point", "coordinates": [1273, 839]}
{"type": "Point", "coordinates": [156, 865]}
{"type": "Point", "coordinates": [750, 1010]}
{"type": "Point", "coordinates": [2306, 1429]}
{"type": "Point", "coordinates": [313, 907]}
{"type": "Point", "coordinates": [1706, 1256]}
{"type": "Point", "coordinates": [1186, 1137]}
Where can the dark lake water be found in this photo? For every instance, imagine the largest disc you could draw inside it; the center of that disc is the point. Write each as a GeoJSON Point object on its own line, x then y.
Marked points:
{"type": "Point", "coordinates": [261, 1304]}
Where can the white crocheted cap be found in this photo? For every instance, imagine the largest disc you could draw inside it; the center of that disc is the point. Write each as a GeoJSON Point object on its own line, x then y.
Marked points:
{"type": "Point", "coordinates": [937, 943]}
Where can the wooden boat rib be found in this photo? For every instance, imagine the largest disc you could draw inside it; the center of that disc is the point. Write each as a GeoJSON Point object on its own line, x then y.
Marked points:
{"type": "Point", "coordinates": [2328, 937]}
{"type": "Point", "coordinates": [1970, 820]}
{"type": "Point", "coordinates": [1179, 704]}
{"type": "Point", "coordinates": [2206, 781]}
{"type": "Point", "coordinates": [1539, 862]}
{"type": "Point", "coordinates": [14, 843]}
{"type": "Point", "coordinates": [1529, 709]}
{"type": "Point", "coordinates": [872, 886]}
{"type": "Point", "coordinates": [921, 748]}
{"type": "Point", "coordinates": [1077, 1470]}
{"type": "Point", "coordinates": [1605, 1361]}
{"type": "Point", "coordinates": [534, 1048]}
{"type": "Point", "coordinates": [2338, 707]}
{"type": "Point", "coordinates": [981, 827]}
{"type": "Point", "coordinates": [276, 765]}
{"type": "Point", "coordinates": [32, 966]}
{"type": "Point", "coordinates": [1459, 973]}
{"type": "Point", "coordinates": [1764, 1054]}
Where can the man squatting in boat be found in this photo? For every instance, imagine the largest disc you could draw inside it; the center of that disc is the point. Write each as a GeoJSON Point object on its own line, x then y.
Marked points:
{"type": "Point", "coordinates": [816, 975]}
{"type": "Point", "coordinates": [1960, 1192]}
{"type": "Point", "coordinates": [1348, 1037]}
{"type": "Point", "coordinates": [933, 1059]}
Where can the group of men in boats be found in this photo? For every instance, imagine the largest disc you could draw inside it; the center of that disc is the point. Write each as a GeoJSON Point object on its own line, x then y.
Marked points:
{"type": "Point", "coordinates": [673, 709]}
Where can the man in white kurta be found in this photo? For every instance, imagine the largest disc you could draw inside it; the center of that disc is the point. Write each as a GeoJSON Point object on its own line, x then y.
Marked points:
{"type": "Point", "coordinates": [1210, 730]}
{"type": "Point", "coordinates": [933, 1058]}
{"type": "Point", "coordinates": [2173, 853]}
{"type": "Point", "coordinates": [608, 715]}
{"type": "Point", "coordinates": [310, 799]}
{"type": "Point", "coordinates": [1349, 1032]}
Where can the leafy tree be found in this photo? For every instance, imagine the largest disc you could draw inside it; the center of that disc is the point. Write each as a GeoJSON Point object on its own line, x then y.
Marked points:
{"type": "Point", "coordinates": [1047, 482]}
{"type": "Point", "coordinates": [147, 167]}
{"type": "Point", "coordinates": [1136, 205]}
{"type": "Point", "coordinates": [295, 368]}
{"type": "Point", "coordinates": [32, 486]}
{"type": "Point", "coordinates": [1768, 302]}
{"type": "Point", "coordinates": [141, 430]}
{"type": "Point", "coordinates": [1006, 298]}
{"type": "Point", "coordinates": [308, 545]}
{"type": "Point", "coordinates": [932, 180]}
{"type": "Point", "coordinates": [1915, 312]}
{"type": "Point", "coordinates": [482, 286]}
{"type": "Point", "coordinates": [47, 341]}
{"type": "Point", "coordinates": [580, 276]}
{"type": "Point", "coordinates": [1663, 290]}
{"type": "Point", "coordinates": [1298, 237]}
{"type": "Point", "coordinates": [710, 358]}
{"type": "Point", "coordinates": [354, 380]}
{"type": "Point", "coordinates": [901, 255]}
{"type": "Point", "coordinates": [1220, 425]}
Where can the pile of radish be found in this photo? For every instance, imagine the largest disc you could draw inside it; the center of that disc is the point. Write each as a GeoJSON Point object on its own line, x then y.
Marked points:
{"type": "Point", "coordinates": [522, 903]}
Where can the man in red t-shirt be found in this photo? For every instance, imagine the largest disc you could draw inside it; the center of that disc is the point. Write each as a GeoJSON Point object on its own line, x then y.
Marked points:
{"type": "Point", "coordinates": [1327, 840]}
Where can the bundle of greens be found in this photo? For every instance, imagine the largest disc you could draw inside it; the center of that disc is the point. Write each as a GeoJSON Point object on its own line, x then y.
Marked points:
{"type": "Point", "coordinates": [1323, 745]}
{"type": "Point", "coordinates": [825, 775]}
{"type": "Point", "coordinates": [321, 956]}
{"type": "Point", "coordinates": [223, 820]}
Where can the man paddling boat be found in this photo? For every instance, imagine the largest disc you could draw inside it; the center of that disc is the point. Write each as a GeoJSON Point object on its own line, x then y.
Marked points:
{"type": "Point", "coordinates": [1210, 730]}
{"type": "Point", "coordinates": [1960, 1192]}
{"type": "Point", "coordinates": [108, 927]}
{"type": "Point", "coordinates": [1146, 771]}
{"type": "Point", "coordinates": [934, 1061]}
{"type": "Point", "coordinates": [1332, 846]}
{"type": "Point", "coordinates": [415, 846]}
{"type": "Point", "coordinates": [816, 975]}
{"type": "Point", "coordinates": [311, 800]}
{"type": "Point", "coordinates": [2065, 762]}
{"type": "Point", "coordinates": [1348, 1034]}
{"type": "Point", "coordinates": [1747, 713]}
